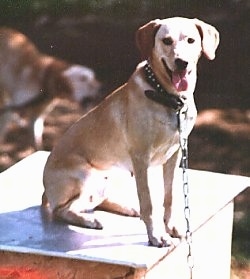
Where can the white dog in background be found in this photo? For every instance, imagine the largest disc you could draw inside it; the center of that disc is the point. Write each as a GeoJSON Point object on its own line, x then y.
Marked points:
{"type": "Point", "coordinates": [31, 82]}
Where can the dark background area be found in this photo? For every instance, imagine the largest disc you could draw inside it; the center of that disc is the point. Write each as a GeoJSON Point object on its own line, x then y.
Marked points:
{"type": "Point", "coordinates": [100, 34]}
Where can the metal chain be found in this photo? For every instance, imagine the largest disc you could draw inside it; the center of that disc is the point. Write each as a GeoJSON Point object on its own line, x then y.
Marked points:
{"type": "Point", "coordinates": [182, 119]}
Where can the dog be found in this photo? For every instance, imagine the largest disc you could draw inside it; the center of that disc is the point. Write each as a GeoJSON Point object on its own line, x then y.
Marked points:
{"type": "Point", "coordinates": [31, 83]}
{"type": "Point", "coordinates": [134, 128]}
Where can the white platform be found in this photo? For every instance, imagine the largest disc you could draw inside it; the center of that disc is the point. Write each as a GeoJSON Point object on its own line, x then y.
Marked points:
{"type": "Point", "coordinates": [27, 229]}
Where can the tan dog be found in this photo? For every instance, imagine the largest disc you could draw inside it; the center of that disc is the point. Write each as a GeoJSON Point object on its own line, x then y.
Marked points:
{"type": "Point", "coordinates": [30, 82]}
{"type": "Point", "coordinates": [134, 128]}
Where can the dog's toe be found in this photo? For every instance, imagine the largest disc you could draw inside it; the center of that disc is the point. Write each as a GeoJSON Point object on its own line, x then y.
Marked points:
{"type": "Point", "coordinates": [90, 222]}
{"type": "Point", "coordinates": [81, 219]}
{"type": "Point", "coordinates": [162, 241]}
{"type": "Point", "coordinates": [132, 212]}
{"type": "Point", "coordinates": [176, 232]}
{"type": "Point", "coordinates": [97, 225]}
{"type": "Point", "coordinates": [135, 213]}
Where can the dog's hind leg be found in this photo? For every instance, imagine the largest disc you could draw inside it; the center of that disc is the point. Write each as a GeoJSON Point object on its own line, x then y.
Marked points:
{"type": "Point", "coordinates": [73, 195]}
{"type": "Point", "coordinates": [120, 195]}
{"type": "Point", "coordinates": [73, 213]}
{"type": "Point", "coordinates": [118, 207]}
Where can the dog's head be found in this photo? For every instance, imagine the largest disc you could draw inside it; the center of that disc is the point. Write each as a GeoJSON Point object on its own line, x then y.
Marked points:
{"type": "Point", "coordinates": [174, 45]}
{"type": "Point", "coordinates": [83, 82]}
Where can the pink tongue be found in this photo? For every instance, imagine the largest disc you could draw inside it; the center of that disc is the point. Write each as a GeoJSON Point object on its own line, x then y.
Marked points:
{"type": "Point", "coordinates": [179, 81]}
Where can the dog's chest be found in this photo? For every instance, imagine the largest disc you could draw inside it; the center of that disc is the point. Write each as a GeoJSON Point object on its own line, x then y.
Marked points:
{"type": "Point", "coordinates": [165, 141]}
{"type": "Point", "coordinates": [161, 154]}
{"type": "Point", "coordinates": [163, 137]}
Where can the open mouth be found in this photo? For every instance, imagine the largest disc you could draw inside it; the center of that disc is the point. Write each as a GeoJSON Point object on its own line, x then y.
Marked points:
{"type": "Point", "coordinates": [178, 77]}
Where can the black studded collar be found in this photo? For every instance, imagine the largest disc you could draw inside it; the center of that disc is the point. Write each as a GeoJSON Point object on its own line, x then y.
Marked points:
{"type": "Point", "coordinates": [159, 94]}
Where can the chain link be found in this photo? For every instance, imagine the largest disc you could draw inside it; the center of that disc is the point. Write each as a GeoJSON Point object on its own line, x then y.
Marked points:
{"type": "Point", "coordinates": [182, 119]}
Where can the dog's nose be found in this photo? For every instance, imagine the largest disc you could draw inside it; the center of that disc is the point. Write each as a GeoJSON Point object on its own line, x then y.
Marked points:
{"type": "Point", "coordinates": [181, 64]}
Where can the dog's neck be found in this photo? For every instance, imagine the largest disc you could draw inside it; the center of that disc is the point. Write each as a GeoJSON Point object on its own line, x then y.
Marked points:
{"type": "Point", "coordinates": [159, 94]}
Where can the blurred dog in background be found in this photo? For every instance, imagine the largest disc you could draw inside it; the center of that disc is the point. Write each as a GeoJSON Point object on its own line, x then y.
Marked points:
{"type": "Point", "coordinates": [31, 83]}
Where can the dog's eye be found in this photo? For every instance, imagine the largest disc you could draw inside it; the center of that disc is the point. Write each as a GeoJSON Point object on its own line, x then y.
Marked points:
{"type": "Point", "coordinates": [167, 41]}
{"type": "Point", "coordinates": [190, 40]}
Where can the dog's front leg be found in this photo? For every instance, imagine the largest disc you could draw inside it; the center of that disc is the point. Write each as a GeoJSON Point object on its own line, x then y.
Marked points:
{"type": "Point", "coordinates": [151, 206]}
{"type": "Point", "coordinates": [174, 201]}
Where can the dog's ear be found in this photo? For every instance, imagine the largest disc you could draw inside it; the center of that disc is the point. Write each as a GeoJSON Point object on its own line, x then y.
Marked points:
{"type": "Point", "coordinates": [145, 37]}
{"type": "Point", "coordinates": [210, 38]}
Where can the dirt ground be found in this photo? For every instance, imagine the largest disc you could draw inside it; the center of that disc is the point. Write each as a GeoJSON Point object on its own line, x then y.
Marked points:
{"type": "Point", "coordinates": [220, 141]}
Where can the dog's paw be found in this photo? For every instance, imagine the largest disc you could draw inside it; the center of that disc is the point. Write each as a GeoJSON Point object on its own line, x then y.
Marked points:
{"type": "Point", "coordinates": [131, 212]}
{"type": "Point", "coordinates": [81, 219]}
{"type": "Point", "coordinates": [158, 236]}
{"type": "Point", "coordinates": [163, 240]}
{"type": "Point", "coordinates": [176, 231]}
{"type": "Point", "coordinates": [93, 224]}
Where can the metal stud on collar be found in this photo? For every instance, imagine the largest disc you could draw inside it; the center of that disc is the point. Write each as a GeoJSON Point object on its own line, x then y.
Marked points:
{"type": "Point", "coordinates": [159, 94]}
{"type": "Point", "coordinates": [151, 77]}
